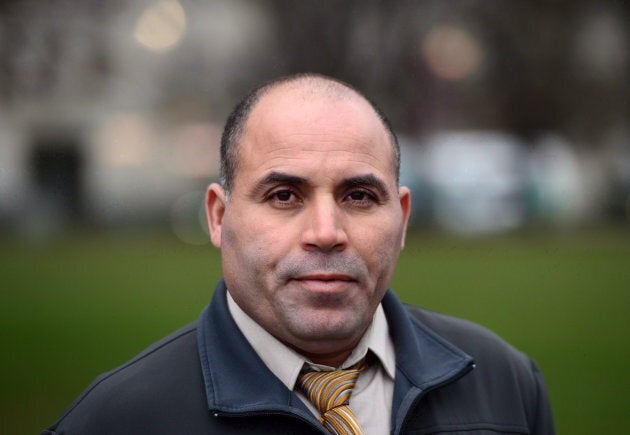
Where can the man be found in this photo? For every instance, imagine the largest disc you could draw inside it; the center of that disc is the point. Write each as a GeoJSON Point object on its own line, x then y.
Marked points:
{"type": "Point", "coordinates": [310, 221]}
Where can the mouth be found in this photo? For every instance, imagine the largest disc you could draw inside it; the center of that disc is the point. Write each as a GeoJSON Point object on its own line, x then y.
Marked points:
{"type": "Point", "coordinates": [325, 282]}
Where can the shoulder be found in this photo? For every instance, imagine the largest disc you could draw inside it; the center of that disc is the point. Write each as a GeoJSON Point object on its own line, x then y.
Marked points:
{"type": "Point", "coordinates": [494, 357]}
{"type": "Point", "coordinates": [165, 356]}
{"type": "Point", "coordinates": [163, 377]}
{"type": "Point", "coordinates": [476, 340]}
{"type": "Point", "coordinates": [504, 377]}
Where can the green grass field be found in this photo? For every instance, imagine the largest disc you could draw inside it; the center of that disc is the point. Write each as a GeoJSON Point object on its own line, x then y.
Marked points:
{"type": "Point", "coordinates": [74, 308]}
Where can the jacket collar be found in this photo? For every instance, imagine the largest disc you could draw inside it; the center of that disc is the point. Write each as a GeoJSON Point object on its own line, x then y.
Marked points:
{"type": "Point", "coordinates": [237, 381]}
{"type": "Point", "coordinates": [422, 356]}
{"type": "Point", "coordinates": [424, 360]}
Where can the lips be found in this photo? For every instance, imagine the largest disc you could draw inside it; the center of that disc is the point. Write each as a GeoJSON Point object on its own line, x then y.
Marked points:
{"type": "Point", "coordinates": [325, 277]}
{"type": "Point", "coordinates": [325, 282]}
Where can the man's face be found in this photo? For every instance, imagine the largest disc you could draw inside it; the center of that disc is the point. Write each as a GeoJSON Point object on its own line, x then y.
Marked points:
{"type": "Point", "coordinates": [314, 224]}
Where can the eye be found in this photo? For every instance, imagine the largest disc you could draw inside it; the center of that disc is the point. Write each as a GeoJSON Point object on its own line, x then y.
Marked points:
{"type": "Point", "coordinates": [358, 195]}
{"type": "Point", "coordinates": [283, 195]}
{"type": "Point", "coordinates": [361, 198]}
{"type": "Point", "coordinates": [283, 198]}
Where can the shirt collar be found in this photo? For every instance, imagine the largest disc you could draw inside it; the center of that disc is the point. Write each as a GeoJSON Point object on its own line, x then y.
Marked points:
{"type": "Point", "coordinates": [287, 364]}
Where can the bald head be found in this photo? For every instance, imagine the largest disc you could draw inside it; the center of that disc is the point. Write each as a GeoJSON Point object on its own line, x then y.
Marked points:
{"type": "Point", "coordinates": [303, 87]}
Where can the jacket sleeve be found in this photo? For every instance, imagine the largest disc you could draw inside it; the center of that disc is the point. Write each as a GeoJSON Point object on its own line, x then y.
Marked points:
{"type": "Point", "coordinates": [542, 423]}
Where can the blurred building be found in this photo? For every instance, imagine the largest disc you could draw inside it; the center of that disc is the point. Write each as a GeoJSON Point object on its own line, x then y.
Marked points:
{"type": "Point", "coordinates": [109, 110]}
{"type": "Point", "coordinates": [512, 112]}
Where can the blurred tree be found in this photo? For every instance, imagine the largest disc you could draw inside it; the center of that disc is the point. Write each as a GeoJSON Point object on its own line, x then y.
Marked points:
{"type": "Point", "coordinates": [529, 82]}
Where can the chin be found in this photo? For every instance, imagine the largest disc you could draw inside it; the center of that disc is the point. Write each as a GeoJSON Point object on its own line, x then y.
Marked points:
{"type": "Point", "coordinates": [331, 327]}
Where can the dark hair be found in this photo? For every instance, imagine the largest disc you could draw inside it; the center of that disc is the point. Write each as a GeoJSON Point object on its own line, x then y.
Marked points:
{"type": "Point", "coordinates": [236, 121]}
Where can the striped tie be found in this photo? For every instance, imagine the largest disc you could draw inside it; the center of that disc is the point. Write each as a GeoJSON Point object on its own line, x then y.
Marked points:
{"type": "Point", "coordinates": [330, 393]}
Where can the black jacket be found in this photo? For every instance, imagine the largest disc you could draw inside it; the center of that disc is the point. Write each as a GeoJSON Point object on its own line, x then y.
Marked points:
{"type": "Point", "coordinates": [206, 379]}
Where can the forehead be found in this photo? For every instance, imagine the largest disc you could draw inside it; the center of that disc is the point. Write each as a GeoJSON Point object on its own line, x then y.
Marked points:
{"type": "Point", "coordinates": [290, 126]}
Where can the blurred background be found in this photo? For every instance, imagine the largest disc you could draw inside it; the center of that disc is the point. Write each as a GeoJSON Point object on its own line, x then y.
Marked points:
{"type": "Point", "coordinates": [513, 121]}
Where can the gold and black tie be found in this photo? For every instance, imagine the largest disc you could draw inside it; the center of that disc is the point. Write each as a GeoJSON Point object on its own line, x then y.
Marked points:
{"type": "Point", "coordinates": [330, 393]}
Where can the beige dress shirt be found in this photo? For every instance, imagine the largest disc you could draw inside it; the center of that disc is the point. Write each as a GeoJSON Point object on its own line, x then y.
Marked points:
{"type": "Point", "coordinates": [371, 399]}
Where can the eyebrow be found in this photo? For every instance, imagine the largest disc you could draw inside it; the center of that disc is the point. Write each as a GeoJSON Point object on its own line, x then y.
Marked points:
{"type": "Point", "coordinates": [276, 178]}
{"type": "Point", "coordinates": [366, 180]}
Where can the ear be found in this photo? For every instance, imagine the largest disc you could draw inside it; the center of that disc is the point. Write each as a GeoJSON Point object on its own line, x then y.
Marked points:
{"type": "Point", "coordinates": [215, 209]}
{"type": "Point", "coordinates": [404, 196]}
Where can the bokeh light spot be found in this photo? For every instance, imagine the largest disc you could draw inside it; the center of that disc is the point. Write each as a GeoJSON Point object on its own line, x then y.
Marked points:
{"type": "Point", "coordinates": [161, 26]}
{"type": "Point", "coordinates": [451, 53]}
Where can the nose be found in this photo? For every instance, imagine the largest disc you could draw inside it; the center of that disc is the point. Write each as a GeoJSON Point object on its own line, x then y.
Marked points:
{"type": "Point", "coordinates": [324, 229]}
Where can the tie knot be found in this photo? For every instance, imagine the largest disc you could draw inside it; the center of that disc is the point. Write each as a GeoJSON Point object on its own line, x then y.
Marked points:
{"type": "Point", "coordinates": [327, 390]}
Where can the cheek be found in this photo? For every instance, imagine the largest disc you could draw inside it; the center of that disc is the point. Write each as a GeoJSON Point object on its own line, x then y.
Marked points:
{"type": "Point", "coordinates": [239, 245]}
{"type": "Point", "coordinates": [377, 232]}
{"type": "Point", "coordinates": [379, 245]}
{"type": "Point", "coordinates": [243, 266]}
{"type": "Point", "coordinates": [255, 246]}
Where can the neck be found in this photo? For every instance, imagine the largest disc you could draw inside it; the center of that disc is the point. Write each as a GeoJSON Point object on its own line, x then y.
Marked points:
{"type": "Point", "coordinates": [321, 354]}
{"type": "Point", "coordinates": [332, 359]}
